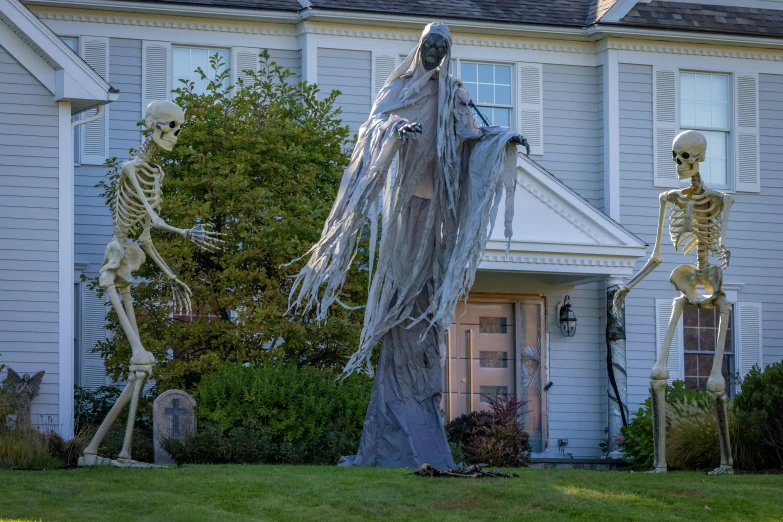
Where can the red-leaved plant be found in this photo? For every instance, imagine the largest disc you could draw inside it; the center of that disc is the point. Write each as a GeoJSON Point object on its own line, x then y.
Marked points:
{"type": "Point", "coordinates": [499, 438]}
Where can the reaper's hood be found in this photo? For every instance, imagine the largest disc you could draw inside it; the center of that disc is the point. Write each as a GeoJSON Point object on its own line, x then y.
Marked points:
{"type": "Point", "coordinates": [412, 67]}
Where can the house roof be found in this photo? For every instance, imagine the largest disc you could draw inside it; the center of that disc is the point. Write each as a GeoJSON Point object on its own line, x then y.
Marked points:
{"type": "Point", "coordinates": [709, 18]}
{"type": "Point", "coordinates": [576, 13]}
{"type": "Point", "coordinates": [50, 60]}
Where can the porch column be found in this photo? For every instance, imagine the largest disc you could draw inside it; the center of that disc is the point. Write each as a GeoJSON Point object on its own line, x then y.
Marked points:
{"type": "Point", "coordinates": [617, 381]}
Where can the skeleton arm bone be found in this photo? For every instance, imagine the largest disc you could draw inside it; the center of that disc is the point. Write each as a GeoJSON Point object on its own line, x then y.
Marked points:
{"type": "Point", "coordinates": [655, 258]}
{"type": "Point", "coordinates": [723, 254]}
{"type": "Point", "coordinates": [181, 291]}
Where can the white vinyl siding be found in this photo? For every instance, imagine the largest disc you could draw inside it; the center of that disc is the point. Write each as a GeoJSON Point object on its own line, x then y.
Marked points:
{"type": "Point", "coordinates": [29, 229]}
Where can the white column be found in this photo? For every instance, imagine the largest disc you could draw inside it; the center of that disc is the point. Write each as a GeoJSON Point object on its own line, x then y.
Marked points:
{"type": "Point", "coordinates": [617, 391]}
{"type": "Point", "coordinates": [611, 102]}
{"type": "Point", "coordinates": [308, 44]}
{"type": "Point", "coordinates": [65, 368]}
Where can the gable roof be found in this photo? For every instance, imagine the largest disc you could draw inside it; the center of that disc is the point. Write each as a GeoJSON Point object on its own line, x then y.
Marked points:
{"type": "Point", "coordinates": [50, 60]}
{"type": "Point", "coordinates": [709, 18]}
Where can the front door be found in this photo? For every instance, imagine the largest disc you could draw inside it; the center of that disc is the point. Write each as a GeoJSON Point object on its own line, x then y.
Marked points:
{"type": "Point", "coordinates": [494, 350]}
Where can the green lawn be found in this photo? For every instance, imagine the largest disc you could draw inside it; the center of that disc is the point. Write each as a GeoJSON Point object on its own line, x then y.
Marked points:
{"type": "Point", "coordinates": [227, 493]}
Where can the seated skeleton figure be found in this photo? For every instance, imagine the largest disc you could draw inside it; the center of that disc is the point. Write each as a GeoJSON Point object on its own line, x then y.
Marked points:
{"type": "Point", "coordinates": [138, 200]}
{"type": "Point", "coordinates": [697, 222]}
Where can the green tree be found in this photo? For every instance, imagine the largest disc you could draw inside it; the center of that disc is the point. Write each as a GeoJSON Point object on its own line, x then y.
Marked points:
{"type": "Point", "coordinates": [261, 162]}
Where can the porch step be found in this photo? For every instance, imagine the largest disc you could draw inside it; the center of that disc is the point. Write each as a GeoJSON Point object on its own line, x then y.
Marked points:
{"type": "Point", "coordinates": [577, 463]}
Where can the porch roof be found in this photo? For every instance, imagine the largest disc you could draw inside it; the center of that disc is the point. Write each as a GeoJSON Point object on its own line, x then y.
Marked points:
{"type": "Point", "coordinates": [557, 231]}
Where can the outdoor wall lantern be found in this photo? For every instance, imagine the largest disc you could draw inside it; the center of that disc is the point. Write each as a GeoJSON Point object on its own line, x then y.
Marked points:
{"type": "Point", "coordinates": [567, 318]}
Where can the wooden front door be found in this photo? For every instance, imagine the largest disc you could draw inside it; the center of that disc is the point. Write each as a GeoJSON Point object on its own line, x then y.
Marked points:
{"type": "Point", "coordinates": [495, 350]}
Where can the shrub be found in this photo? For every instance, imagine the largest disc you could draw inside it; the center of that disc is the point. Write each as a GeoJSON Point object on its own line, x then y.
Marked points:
{"type": "Point", "coordinates": [261, 162]}
{"type": "Point", "coordinates": [495, 437]}
{"type": "Point", "coordinates": [276, 413]}
{"type": "Point", "coordinates": [758, 408]}
{"type": "Point", "coordinates": [692, 439]}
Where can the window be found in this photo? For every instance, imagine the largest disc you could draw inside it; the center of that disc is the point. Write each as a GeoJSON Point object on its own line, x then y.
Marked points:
{"type": "Point", "coordinates": [704, 106]}
{"type": "Point", "coordinates": [188, 59]}
{"type": "Point", "coordinates": [700, 332]}
{"type": "Point", "coordinates": [489, 86]}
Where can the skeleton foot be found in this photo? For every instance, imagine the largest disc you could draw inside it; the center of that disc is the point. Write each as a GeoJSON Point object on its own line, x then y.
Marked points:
{"type": "Point", "coordinates": [658, 470]}
{"type": "Point", "coordinates": [722, 470]}
{"type": "Point", "coordinates": [88, 460]}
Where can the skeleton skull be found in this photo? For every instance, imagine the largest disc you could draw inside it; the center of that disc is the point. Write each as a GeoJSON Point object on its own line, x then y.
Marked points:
{"type": "Point", "coordinates": [688, 150]}
{"type": "Point", "coordinates": [433, 49]}
{"type": "Point", "coordinates": [164, 119]}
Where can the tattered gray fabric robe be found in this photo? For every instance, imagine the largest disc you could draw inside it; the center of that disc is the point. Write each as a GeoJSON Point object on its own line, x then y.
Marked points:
{"type": "Point", "coordinates": [437, 214]}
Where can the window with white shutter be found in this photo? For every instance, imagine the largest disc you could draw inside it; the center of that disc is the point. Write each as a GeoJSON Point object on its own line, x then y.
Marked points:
{"type": "Point", "coordinates": [155, 73]}
{"type": "Point", "coordinates": [530, 109]}
{"type": "Point", "coordinates": [749, 338]}
{"type": "Point", "coordinates": [95, 135]}
{"type": "Point", "coordinates": [93, 329]}
{"type": "Point", "coordinates": [382, 67]}
{"type": "Point", "coordinates": [665, 126]}
{"type": "Point", "coordinates": [244, 59]}
{"type": "Point", "coordinates": [748, 177]}
{"type": "Point", "coordinates": [663, 313]}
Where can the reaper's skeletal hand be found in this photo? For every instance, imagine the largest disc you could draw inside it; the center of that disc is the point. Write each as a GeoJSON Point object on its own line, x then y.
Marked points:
{"type": "Point", "coordinates": [206, 238]}
{"type": "Point", "coordinates": [518, 139]}
{"type": "Point", "coordinates": [722, 256]}
{"type": "Point", "coordinates": [181, 297]}
{"type": "Point", "coordinates": [405, 131]}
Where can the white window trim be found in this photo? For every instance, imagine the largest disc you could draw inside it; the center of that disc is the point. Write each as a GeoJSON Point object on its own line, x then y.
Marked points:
{"type": "Point", "coordinates": [731, 138]}
{"type": "Point", "coordinates": [512, 115]}
{"type": "Point", "coordinates": [175, 82]}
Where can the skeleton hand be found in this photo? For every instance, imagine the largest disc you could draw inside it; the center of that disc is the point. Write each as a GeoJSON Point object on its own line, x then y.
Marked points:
{"type": "Point", "coordinates": [520, 140]}
{"type": "Point", "coordinates": [206, 238]}
{"type": "Point", "coordinates": [405, 131]}
{"type": "Point", "coordinates": [181, 297]}
{"type": "Point", "coordinates": [619, 299]}
{"type": "Point", "coordinates": [722, 257]}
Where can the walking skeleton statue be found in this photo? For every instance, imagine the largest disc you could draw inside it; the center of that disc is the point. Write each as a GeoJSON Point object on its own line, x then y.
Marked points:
{"type": "Point", "coordinates": [137, 202]}
{"type": "Point", "coordinates": [698, 222]}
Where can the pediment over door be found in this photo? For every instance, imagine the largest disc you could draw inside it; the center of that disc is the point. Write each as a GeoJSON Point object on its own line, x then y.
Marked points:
{"type": "Point", "coordinates": [557, 231]}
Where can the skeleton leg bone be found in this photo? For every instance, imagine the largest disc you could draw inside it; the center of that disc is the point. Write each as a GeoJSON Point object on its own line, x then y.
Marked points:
{"type": "Point", "coordinates": [658, 378]}
{"type": "Point", "coordinates": [137, 379]}
{"type": "Point", "coordinates": [715, 389]}
{"type": "Point", "coordinates": [141, 363]}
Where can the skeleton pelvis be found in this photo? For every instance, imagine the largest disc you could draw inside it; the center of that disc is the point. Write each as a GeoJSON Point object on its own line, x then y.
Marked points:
{"type": "Point", "coordinates": [686, 278]}
{"type": "Point", "coordinates": [120, 260]}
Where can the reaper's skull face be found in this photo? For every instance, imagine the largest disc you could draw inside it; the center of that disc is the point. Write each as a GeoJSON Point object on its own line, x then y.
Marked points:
{"type": "Point", "coordinates": [164, 119]}
{"type": "Point", "coordinates": [433, 49]}
{"type": "Point", "coordinates": [688, 150]}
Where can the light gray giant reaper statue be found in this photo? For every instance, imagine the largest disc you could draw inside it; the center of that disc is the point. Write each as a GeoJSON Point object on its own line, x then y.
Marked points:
{"type": "Point", "coordinates": [437, 213]}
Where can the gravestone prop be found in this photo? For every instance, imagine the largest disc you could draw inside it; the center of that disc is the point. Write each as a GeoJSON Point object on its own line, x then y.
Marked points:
{"type": "Point", "coordinates": [173, 417]}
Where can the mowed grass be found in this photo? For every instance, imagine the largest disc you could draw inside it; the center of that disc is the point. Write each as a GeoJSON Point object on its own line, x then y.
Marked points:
{"type": "Point", "coordinates": [321, 493]}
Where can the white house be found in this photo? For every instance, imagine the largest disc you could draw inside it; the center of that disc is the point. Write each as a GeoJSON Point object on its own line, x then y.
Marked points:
{"type": "Point", "coordinates": [599, 88]}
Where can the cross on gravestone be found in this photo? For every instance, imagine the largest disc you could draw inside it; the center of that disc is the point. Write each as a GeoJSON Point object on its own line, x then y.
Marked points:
{"type": "Point", "coordinates": [173, 417]}
{"type": "Point", "coordinates": [175, 411]}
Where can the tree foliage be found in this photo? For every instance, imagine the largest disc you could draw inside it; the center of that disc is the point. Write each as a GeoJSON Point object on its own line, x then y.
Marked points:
{"type": "Point", "coordinates": [261, 162]}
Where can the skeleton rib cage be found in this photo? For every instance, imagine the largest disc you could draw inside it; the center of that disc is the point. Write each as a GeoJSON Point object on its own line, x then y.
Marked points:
{"type": "Point", "coordinates": [696, 223]}
{"type": "Point", "coordinates": [128, 209]}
